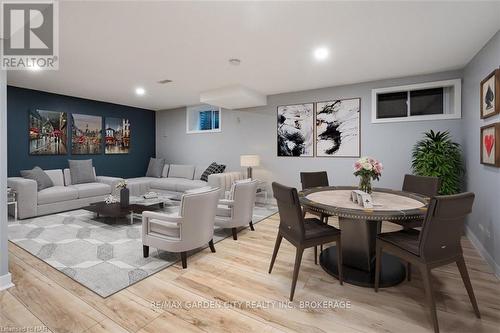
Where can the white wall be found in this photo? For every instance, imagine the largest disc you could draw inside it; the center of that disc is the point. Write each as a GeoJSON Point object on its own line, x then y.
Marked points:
{"type": "Point", "coordinates": [484, 222]}
{"type": "Point", "coordinates": [253, 131]}
{"type": "Point", "coordinates": [5, 279]}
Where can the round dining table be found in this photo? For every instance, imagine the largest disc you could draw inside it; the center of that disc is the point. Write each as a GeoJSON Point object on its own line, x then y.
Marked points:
{"type": "Point", "coordinates": [359, 228]}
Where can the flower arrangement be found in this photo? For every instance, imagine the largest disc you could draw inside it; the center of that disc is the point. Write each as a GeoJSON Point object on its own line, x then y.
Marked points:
{"type": "Point", "coordinates": [367, 168]}
{"type": "Point", "coordinates": [121, 184]}
{"type": "Point", "coordinates": [110, 199]}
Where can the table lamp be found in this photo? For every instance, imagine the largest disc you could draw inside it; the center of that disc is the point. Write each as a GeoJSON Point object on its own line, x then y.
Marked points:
{"type": "Point", "coordinates": [249, 161]}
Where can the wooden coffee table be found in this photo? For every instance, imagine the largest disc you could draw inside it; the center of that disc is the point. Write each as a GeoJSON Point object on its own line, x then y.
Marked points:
{"type": "Point", "coordinates": [115, 210]}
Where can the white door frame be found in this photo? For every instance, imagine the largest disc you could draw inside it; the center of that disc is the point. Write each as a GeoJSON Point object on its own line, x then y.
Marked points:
{"type": "Point", "coordinates": [5, 277]}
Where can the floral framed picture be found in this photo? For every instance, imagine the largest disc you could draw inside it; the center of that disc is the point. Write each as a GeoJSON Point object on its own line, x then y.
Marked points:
{"type": "Point", "coordinates": [490, 95]}
{"type": "Point", "coordinates": [490, 147]}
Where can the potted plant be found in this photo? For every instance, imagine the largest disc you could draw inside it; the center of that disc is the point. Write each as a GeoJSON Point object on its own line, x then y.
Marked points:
{"type": "Point", "coordinates": [124, 193]}
{"type": "Point", "coordinates": [438, 156]}
{"type": "Point", "coordinates": [367, 169]}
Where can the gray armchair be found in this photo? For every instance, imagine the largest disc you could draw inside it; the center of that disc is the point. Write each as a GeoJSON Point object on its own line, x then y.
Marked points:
{"type": "Point", "coordinates": [237, 211]}
{"type": "Point", "coordinates": [192, 228]}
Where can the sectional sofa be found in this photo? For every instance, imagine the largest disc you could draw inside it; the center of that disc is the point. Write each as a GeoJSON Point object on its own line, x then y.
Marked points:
{"type": "Point", "coordinates": [63, 196]}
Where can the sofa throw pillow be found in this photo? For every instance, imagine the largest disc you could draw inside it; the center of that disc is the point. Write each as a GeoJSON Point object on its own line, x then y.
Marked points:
{"type": "Point", "coordinates": [155, 167]}
{"type": "Point", "coordinates": [37, 174]}
{"type": "Point", "coordinates": [82, 171]}
{"type": "Point", "coordinates": [212, 168]}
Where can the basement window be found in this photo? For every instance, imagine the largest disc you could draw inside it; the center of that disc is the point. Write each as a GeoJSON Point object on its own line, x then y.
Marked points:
{"type": "Point", "coordinates": [423, 101]}
{"type": "Point", "coordinates": [203, 119]}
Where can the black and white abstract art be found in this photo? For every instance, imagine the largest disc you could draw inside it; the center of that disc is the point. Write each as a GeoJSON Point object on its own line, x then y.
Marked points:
{"type": "Point", "coordinates": [337, 128]}
{"type": "Point", "coordinates": [296, 130]}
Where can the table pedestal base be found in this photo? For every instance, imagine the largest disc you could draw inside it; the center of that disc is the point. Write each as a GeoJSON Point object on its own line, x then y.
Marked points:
{"type": "Point", "coordinates": [392, 273]}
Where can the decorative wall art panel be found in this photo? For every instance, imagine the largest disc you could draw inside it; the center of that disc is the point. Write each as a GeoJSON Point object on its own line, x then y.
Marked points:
{"type": "Point", "coordinates": [490, 94]}
{"type": "Point", "coordinates": [490, 148]}
{"type": "Point", "coordinates": [48, 133]}
{"type": "Point", "coordinates": [338, 128]}
{"type": "Point", "coordinates": [117, 136]}
{"type": "Point", "coordinates": [295, 130]}
{"type": "Point", "coordinates": [86, 134]}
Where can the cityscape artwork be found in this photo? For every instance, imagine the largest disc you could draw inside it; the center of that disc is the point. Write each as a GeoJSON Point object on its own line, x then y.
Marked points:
{"type": "Point", "coordinates": [117, 136]}
{"type": "Point", "coordinates": [295, 130]}
{"type": "Point", "coordinates": [48, 133]}
{"type": "Point", "coordinates": [338, 128]}
{"type": "Point", "coordinates": [86, 134]}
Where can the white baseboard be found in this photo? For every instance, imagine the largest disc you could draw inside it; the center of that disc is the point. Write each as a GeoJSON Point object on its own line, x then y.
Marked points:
{"type": "Point", "coordinates": [6, 281]}
{"type": "Point", "coordinates": [482, 251]}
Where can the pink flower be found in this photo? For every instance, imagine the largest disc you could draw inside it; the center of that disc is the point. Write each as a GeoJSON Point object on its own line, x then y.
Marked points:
{"type": "Point", "coordinates": [357, 166]}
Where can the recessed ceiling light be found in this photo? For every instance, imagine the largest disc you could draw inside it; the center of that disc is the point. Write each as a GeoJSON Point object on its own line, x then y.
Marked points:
{"type": "Point", "coordinates": [234, 61]}
{"type": "Point", "coordinates": [321, 53]}
{"type": "Point", "coordinates": [140, 91]}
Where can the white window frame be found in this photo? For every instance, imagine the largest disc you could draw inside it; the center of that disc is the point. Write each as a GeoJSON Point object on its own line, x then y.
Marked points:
{"type": "Point", "coordinates": [451, 112]}
{"type": "Point", "coordinates": [198, 108]}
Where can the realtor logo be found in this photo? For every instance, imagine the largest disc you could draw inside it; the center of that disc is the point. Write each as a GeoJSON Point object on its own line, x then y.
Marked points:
{"type": "Point", "coordinates": [29, 35]}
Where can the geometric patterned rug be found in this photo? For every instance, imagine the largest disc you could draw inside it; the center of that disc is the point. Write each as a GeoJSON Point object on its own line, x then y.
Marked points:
{"type": "Point", "coordinates": [103, 257]}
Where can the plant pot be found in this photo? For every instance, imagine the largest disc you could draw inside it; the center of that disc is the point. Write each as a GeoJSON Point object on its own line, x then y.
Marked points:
{"type": "Point", "coordinates": [124, 197]}
{"type": "Point", "coordinates": [365, 184]}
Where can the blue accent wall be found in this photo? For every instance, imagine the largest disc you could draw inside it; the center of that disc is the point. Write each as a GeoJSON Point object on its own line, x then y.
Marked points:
{"type": "Point", "coordinates": [19, 103]}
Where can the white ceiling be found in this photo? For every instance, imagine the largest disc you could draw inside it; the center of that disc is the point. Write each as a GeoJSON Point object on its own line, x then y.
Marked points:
{"type": "Point", "coordinates": [109, 48]}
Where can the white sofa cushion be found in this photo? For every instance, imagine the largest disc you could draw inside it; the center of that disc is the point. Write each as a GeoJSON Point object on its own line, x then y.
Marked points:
{"type": "Point", "coordinates": [139, 186]}
{"type": "Point", "coordinates": [166, 184]}
{"type": "Point", "coordinates": [88, 190]}
{"type": "Point", "coordinates": [56, 176]}
{"type": "Point", "coordinates": [184, 185]}
{"type": "Point", "coordinates": [177, 184]}
{"type": "Point", "coordinates": [67, 176]}
{"type": "Point", "coordinates": [181, 171]}
{"type": "Point", "coordinates": [57, 194]}
{"type": "Point", "coordinates": [166, 167]}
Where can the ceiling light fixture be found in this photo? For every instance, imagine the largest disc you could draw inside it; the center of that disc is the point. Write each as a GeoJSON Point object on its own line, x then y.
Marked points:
{"type": "Point", "coordinates": [140, 91]}
{"type": "Point", "coordinates": [234, 61]}
{"type": "Point", "coordinates": [321, 53]}
{"type": "Point", "coordinates": [165, 81]}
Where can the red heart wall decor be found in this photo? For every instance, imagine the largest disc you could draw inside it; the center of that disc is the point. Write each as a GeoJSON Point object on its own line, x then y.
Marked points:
{"type": "Point", "coordinates": [489, 142]}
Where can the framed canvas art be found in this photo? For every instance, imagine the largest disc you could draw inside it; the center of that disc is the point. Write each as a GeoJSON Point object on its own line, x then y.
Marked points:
{"type": "Point", "coordinates": [490, 149]}
{"type": "Point", "coordinates": [338, 128]}
{"type": "Point", "coordinates": [295, 130]}
{"type": "Point", "coordinates": [117, 136]}
{"type": "Point", "coordinates": [86, 134]}
{"type": "Point", "coordinates": [48, 132]}
{"type": "Point", "coordinates": [490, 95]}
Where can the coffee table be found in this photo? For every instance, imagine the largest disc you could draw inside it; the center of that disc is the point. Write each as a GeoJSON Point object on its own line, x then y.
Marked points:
{"type": "Point", "coordinates": [134, 210]}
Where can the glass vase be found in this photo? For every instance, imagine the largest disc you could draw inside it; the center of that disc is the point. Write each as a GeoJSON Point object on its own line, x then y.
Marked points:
{"type": "Point", "coordinates": [365, 184]}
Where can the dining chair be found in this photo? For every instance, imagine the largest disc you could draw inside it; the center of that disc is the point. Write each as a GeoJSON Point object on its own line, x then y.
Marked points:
{"type": "Point", "coordinates": [437, 244]}
{"type": "Point", "coordinates": [301, 232]}
{"type": "Point", "coordinates": [310, 180]}
{"type": "Point", "coordinates": [191, 228]}
{"type": "Point", "coordinates": [422, 185]}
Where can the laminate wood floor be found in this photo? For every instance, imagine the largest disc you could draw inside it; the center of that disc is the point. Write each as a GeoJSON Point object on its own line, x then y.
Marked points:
{"type": "Point", "coordinates": [231, 291]}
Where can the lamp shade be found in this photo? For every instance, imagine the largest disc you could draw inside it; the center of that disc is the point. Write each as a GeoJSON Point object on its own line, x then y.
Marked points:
{"type": "Point", "coordinates": [249, 160]}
